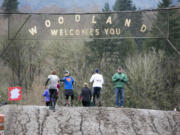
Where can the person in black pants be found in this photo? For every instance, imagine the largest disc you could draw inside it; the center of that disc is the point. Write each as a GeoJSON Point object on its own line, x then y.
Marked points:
{"type": "Point", "coordinates": [52, 81]}
{"type": "Point", "coordinates": [98, 81]}
{"type": "Point", "coordinates": [86, 95]}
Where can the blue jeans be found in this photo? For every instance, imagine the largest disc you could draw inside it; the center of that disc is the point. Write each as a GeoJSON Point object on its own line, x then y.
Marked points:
{"type": "Point", "coordinates": [119, 92]}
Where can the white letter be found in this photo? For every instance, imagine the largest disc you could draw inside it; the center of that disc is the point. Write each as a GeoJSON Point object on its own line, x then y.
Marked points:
{"type": "Point", "coordinates": [97, 32]}
{"type": "Point", "coordinates": [77, 32]}
{"type": "Point", "coordinates": [33, 30]}
{"type": "Point", "coordinates": [66, 32]}
{"type": "Point", "coordinates": [93, 19]}
{"type": "Point", "coordinates": [112, 31]}
{"type": "Point", "coordinates": [106, 31]}
{"type": "Point", "coordinates": [54, 32]}
{"type": "Point", "coordinates": [143, 28]}
{"type": "Point", "coordinates": [109, 20]}
{"type": "Point", "coordinates": [118, 31]}
{"type": "Point", "coordinates": [77, 18]}
{"type": "Point", "coordinates": [84, 32]}
{"type": "Point", "coordinates": [61, 20]}
{"type": "Point", "coordinates": [91, 31]}
{"type": "Point", "coordinates": [71, 32]}
{"type": "Point", "coordinates": [48, 23]}
{"type": "Point", "coordinates": [127, 22]}
{"type": "Point", "coordinates": [61, 32]}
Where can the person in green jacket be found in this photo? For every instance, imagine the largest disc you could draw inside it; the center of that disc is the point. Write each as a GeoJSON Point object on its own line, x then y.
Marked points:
{"type": "Point", "coordinates": [119, 79]}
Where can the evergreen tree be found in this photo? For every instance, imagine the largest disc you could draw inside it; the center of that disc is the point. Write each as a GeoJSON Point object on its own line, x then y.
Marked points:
{"type": "Point", "coordinates": [106, 7]}
{"type": "Point", "coordinates": [121, 5]}
{"type": "Point", "coordinates": [10, 5]}
{"type": "Point", "coordinates": [164, 3]}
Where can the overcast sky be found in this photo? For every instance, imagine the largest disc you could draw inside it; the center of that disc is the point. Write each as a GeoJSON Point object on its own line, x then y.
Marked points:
{"type": "Point", "coordinates": [36, 5]}
{"type": "Point", "coordinates": [85, 3]}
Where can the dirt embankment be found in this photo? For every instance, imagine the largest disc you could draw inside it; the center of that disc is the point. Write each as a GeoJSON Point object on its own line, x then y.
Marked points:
{"type": "Point", "coordinates": [39, 120]}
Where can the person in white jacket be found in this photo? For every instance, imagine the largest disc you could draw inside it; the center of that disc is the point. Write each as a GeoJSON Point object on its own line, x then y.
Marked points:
{"type": "Point", "coordinates": [98, 81]}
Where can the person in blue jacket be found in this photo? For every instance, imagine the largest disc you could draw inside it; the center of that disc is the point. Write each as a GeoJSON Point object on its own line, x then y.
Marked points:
{"type": "Point", "coordinates": [68, 82]}
{"type": "Point", "coordinates": [47, 97]}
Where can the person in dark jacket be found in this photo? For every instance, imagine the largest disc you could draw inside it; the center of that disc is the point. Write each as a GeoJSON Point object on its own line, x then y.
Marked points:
{"type": "Point", "coordinates": [85, 95]}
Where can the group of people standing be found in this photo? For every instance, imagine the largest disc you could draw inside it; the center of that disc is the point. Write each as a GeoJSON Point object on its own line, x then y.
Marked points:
{"type": "Point", "coordinates": [119, 79]}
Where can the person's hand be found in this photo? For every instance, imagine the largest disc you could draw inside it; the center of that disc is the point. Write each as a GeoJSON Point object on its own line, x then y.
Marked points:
{"type": "Point", "coordinates": [122, 80]}
{"type": "Point", "coordinates": [57, 92]}
{"type": "Point", "coordinates": [79, 98]}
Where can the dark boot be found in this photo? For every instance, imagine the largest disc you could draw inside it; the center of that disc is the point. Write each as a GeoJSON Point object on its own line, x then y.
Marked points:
{"type": "Point", "coordinates": [72, 103]}
{"type": "Point", "coordinates": [99, 103]}
{"type": "Point", "coordinates": [94, 102]}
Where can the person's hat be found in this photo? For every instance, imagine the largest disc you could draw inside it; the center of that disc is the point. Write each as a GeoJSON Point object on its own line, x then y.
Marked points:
{"type": "Point", "coordinates": [97, 71]}
{"type": "Point", "coordinates": [66, 72]}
